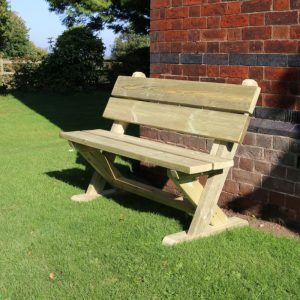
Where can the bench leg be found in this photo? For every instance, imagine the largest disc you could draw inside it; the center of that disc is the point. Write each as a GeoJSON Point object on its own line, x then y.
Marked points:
{"type": "Point", "coordinates": [93, 191]}
{"type": "Point", "coordinates": [208, 218]}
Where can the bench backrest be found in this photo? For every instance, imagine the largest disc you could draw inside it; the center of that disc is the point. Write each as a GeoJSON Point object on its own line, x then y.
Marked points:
{"type": "Point", "coordinates": [214, 110]}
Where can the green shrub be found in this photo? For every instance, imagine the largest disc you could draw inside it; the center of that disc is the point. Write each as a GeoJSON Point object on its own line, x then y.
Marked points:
{"type": "Point", "coordinates": [74, 64]}
{"type": "Point", "coordinates": [130, 53]}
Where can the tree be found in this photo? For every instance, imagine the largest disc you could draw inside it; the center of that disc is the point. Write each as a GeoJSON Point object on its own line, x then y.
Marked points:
{"type": "Point", "coordinates": [75, 62]}
{"type": "Point", "coordinates": [16, 40]}
{"type": "Point", "coordinates": [4, 17]}
{"type": "Point", "coordinates": [130, 53]}
{"type": "Point", "coordinates": [119, 15]}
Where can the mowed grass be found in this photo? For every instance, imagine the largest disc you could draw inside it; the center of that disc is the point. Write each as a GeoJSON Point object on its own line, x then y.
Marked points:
{"type": "Point", "coordinates": [111, 248]}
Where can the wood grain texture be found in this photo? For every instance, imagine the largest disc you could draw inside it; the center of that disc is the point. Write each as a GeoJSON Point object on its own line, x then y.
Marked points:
{"type": "Point", "coordinates": [218, 163]}
{"type": "Point", "coordinates": [138, 152]}
{"type": "Point", "coordinates": [229, 97]}
{"type": "Point", "coordinates": [214, 124]}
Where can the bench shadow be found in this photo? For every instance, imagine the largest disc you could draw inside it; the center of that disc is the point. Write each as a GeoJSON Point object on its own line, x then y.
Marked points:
{"type": "Point", "coordinates": [79, 178]}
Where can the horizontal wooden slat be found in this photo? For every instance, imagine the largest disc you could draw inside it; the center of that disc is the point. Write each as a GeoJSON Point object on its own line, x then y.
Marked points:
{"type": "Point", "coordinates": [217, 162]}
{"type": "Point", "coordinates": [228, 97]}
{"type": "Point", "coordinates": [214, 124]}
{"type": "Point", "coordinates": [148, 155]}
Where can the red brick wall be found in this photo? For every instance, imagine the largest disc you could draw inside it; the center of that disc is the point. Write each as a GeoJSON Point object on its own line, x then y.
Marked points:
{"type": "Point", "coordinates": [265, 32]}
{"type": "Point", "coordinates": [228, 41]}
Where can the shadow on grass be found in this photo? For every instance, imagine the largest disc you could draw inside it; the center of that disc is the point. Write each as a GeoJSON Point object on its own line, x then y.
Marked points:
{"type": "Point", "coordinates": [80, 178]}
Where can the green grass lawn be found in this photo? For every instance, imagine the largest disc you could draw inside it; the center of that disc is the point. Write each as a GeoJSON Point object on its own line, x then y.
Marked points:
{"type": "Point", "coordinates": [111, 248]}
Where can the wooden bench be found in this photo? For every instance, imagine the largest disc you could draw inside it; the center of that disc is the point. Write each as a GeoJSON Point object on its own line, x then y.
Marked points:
{"type": "Point", "coordinates": [212, 110]}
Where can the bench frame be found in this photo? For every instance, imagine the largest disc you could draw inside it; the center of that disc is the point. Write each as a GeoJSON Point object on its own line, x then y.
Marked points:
{"type": "Point", "coordinates": [198, 200]}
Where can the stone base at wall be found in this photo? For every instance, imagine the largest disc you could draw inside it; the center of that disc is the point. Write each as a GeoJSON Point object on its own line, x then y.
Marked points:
{"type": "Point", "coordinates": [265, 179]}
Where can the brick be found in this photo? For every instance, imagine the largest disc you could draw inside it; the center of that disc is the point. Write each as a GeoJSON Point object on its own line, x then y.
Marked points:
{"type": "Point", "coordinates": [280, 73]}
{"type": "Point", "coordinates": [256, 73]}
{"type": "Point", "coordinates": [213, 22]}
{"type": "Point", "coordinates": [282, 18]}
{"type": "Point", "coordinates": [159, 3]}
{"type": "Point", "coordinates": [256, 19]}
{"type": "Point", "coordinates": [256, 6]}
{"type": "Point", "coordinates": [256, 46]}
{"type": "Point", "coordinates": [256, 33]}
{"type": "Point", "coordinates": [295, 32]}
{"type": "Point", "coordinates": [292, 202]}
{"type": "Point", "coordinates": [279, 87]}
{"type": "Point", "coordinates": [262, 167]}
{"type": "Point", "coordinates": [192, 23]}
{"type": "Point", "coordinates": [193, 35]}
{"type": "Point", "coordinates": [297, 189]}
{"type": "Point", "coordinates": [295, 4]}
{"type": "Point", "coordinates": [234, 34]}
{"type": "Point", "coordinates": [278, 171]}
{"type": "Point", "coordinates": [281, 4]}
{"type": "Point", "coordinates": [246, 164]}
{"type": "Point", "coordinates": [275, 60]}
{"type": "Point", "coordinates": [235, 21]}
{"type": "Point", "coordinates": [277, 198]}
{"type": "Point", "coordinates": [281, 32]}
{"type": "Point", "coordinates": [194, 70]}
{"type": "Point", "coordinates": [293, 174]}
{"type": "Point", "coordinates": [294, 60]}
{"type": "Point", "coordinates": [234, 71]}
{"type": "Point", "coordinates": [276, 184]}
{"type": "Point", "coordinates": [177, 12]}
{"type": "Point", "coordinates": [234, 47]}
{"type": "Point", "coordinates": [285, 46]}
{"type": "Point", "coordinates": [176, 47]}
{"type": "Point", "coordinates": [176, 35]}
{"type": "Point", "coordinates": [245, 189]}
{"type": "Point", "coordinates": [191, 58]}
{"type": "Point", "coordinates": [250, 139]}
{"type": "Point", "coordinates": [225, 198]}
{"type": "Point", "coordinates": [214, 34]}
{"type": "Point", "coordinates": [176, 69]}
{"type": "Point", "coordinates": [169, 58]}
{"type": "Point", "coordinates": [264, 141]}
{"type": "Point", "coordinates": [251, 152]}
{"type": "Point", "coordinates": [213, 71]}
{"type": "Point", "coordinates": [236, 161]}
{"type": "Point", "coordinates": [213, 47]}
{"type": "Point", "coordinates": [295, 146]}
{"type": "Point", "coordinates": [191, 2]}
{"type": "Point", "coordinates": [176, 3]}
{"type": "Point", "coordinates": [215, 59]}
{"type": "Point", "coordinates": [246, 177]}
{"type": "Point", "coordinates": [281, 143]}
{"type": "Point", "coordinates": [280, 157]}
{"type": "Point", "coordinates": [242, 59]}
{"type": "Point", "coordinates": [194, 11]}
{"type": "Point", "coordinates": [174, 24]}
{"type": "Point", "coordinates": [278, 101]}
{"type": "Point", "coordinates": [213, 9]}
{"type": "Point", "coordinates": [231, 187]}
{"type": "Point", "coordinates": [233, 8]}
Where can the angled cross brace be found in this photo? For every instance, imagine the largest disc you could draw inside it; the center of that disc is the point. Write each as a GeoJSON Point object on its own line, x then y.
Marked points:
{"type": "Point", "coordinates": [208, 219]}
{"type": "Point", "coordinates": [103, 164]}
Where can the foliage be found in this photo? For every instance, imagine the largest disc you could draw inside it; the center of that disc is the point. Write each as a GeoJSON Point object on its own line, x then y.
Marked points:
{"type": "Point", "coordinates": [14, 40]}
{"type": "Point", "coordinates": [75, 63]}
{"type": "Point", "coordinates": [111, 248]}
{"type": "Point", "coordinates": [119, 15]}
{"type": "Point", "coordinates": [130, 53]}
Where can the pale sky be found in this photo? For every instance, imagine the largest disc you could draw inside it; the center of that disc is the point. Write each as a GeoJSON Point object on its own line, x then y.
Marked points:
{"type": "Point", "coordinates": [43, 24]}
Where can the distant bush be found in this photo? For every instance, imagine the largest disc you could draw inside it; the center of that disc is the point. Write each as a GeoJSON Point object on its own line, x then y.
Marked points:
{"type": "Point", "coordinates": [130, 53]}
{"type": "Point", "coordinates": [75, 63]}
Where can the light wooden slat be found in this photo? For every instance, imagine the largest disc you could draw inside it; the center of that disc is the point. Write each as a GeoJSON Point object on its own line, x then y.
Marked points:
{"type": "Point", "coordinates": [214, 124]}
{"type": "Point", "coordinates": [229, 97]}
{"type": "Point", "coordinates": [166, 160]}
{"type": "Point", "coordinates": [217, 162]}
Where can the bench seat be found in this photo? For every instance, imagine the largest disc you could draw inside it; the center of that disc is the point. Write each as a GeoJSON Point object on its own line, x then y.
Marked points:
{"type": "Point", "coordinates": [164, 155]}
